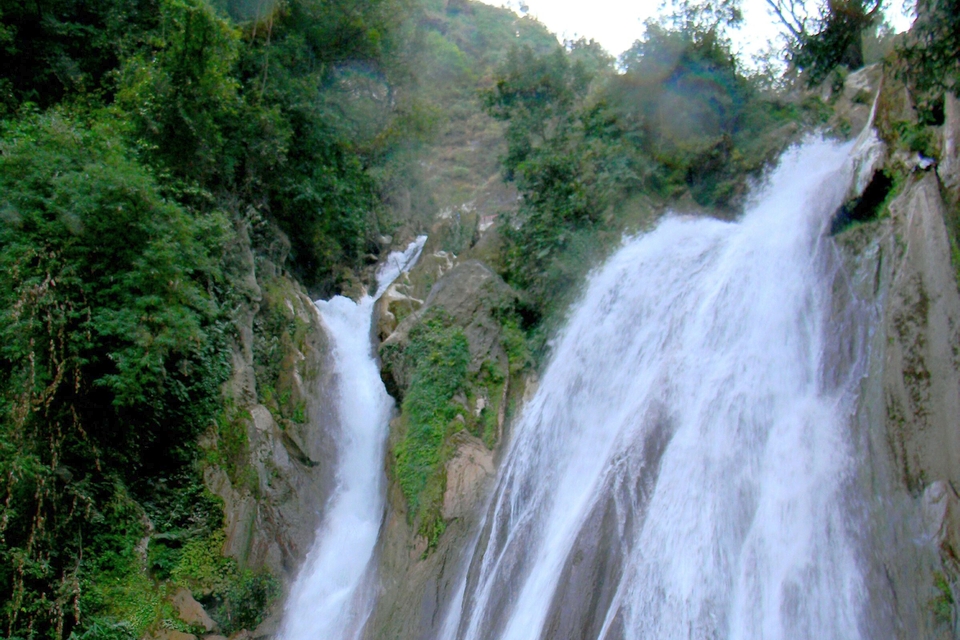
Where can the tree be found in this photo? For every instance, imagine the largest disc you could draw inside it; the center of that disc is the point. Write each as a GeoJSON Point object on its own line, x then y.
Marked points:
{"type": "Point", "coordinates": [112, 350]}
{"type": "Point", "coordinates": [932, 51]}
{"type": "Point", "coordinates": [180, 93]}
{"type": "Point", "coordinates": [821, 38]}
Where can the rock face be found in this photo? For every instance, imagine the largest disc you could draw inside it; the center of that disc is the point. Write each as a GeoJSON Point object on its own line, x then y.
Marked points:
{"type": "Point", "coordinates": [897, 278]}
{"type": "Point", "coordinates": [853, 104]}
{"type": "Point", "coordinates": [923, 348]}
{"type": "Point", "coordinates": [415, 586]}
{"type": "Point", "coordinates": [417, 582]}
{"type": "Point", "coordinates": [471, 293]}
{"type": "Point", "coordinates": [191, 611]}
{"type": "Point", "coordinates": [274, 471]}
{"type": "Point", "coordinates": [272, 519]}
{"type": "Point", "coordinates": [467, 474]}
{"type": "Point", "coordinates": [950, 156]}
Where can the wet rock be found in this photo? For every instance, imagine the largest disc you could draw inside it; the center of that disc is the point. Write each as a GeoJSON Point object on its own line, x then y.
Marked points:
{"type": "Point", "coordinates": [393, 306]}
{"type": "Point", "coordinates": [852, 107]}
{"type": "Point", "coordinates": [274, 492]}
{"type": "Point", "coordinates": [949, 168]}
{"type": "Point", "coordinates": [416, 580]}
{"type": "Point", "coordinates": [191, 611]}
{"type": "Point", "coordinates": [941, 513]}
{"type": "Point", "coordinates": [269, 628]}
{"type": "Point", "coordinates": [467, 475]}
{"type": "Point", "coordinates": [471, 293]}
{"type": "Point", "coordinates": [922, 376]}
{"type": "Point", "coordinates": [903, 292]}
{"type": "Point", "coordinates": [530, 386]}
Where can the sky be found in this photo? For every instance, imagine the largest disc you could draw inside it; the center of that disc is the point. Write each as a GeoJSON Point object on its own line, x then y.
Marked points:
{"type": "Point", "coordinates": [616, 24]}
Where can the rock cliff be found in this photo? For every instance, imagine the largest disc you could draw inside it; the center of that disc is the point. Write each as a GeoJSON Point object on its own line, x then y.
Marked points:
{"type": "Point", "coordinates": [897, 302]}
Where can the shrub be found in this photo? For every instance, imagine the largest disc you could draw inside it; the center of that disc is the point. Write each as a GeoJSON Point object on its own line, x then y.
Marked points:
{"type": "Point", "coordinates": [112, 354]}
{"type": "Point", "coordinates": [438, 356]}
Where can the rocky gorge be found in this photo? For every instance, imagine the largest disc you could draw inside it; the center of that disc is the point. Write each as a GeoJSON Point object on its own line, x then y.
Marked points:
{"type": "Point", "coordinates": [895, 300]}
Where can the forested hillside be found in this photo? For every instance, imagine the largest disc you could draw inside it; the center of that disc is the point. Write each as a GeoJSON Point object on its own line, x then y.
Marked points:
{"type": "Point", "coordinates": [146, 144]}
{"type": "Point", "coordinates": [142, 143]}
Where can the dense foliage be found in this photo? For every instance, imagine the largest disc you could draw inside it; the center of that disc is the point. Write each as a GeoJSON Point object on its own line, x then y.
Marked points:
{"type": "Point", "coordinates": [142, 141]}
{"type": "Point", "coordinates": [113, 348]}
{"type": "Point", "coordinates": [136, 138]}
{"type": "Point", "coordinates": [932, 50]}
{"type": "Point", "coordinates": [682, 119]}
{"type": "Point", "coordinates": [823, 35]}
{"type": "Point", "coordinates": [438, 357]}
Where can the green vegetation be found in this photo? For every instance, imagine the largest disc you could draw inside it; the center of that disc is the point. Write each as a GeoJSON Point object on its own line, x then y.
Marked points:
{"type": "Point", "coordinates": [437, 357]}
{"type": "Point", "coordinates": [235, 598]}
{"type": "Point", "coordinates": [112, 357]}
{"type": "Point", "coordinates": [586, 145]}
{"type": "Point", "coordinates": [456, 48]}
{"type": "Point", "coordinates": [822, 35]}
{"type": "Point", "coordinates": [943, 604]}
{"type": "Point", "coordinates": [145, 145]}
{"type": "Point", "coordinates": [932, 47]}
{"type": "Point", "coordinates": [277, 330]}
{"type": "Point", "coordinates": [135, 140]}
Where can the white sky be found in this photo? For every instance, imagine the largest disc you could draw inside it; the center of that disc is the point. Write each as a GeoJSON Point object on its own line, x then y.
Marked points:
{"type": "Point", "coordinates": [616, 24]}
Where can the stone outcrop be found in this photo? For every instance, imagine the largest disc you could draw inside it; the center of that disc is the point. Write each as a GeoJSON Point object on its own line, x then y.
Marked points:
{"type": "Point", "coordinates": [852, 105]}
{"type": "Point", "coordinates": [191, 611]}
{"type": "Point", "coordinates": [471, 293]}
{"type": "Point", "coordinates": [897, 278]}
{"type": "Point", "coordinates": [272, 513]}
{"type": "Point", "coordinates": [949, 168]}
{"type": "Point", "coordinates": [467, 474]}
{"type": "Point", "coordinates": [416, 583]}
{"type": "Point", "coordinates": [923, 348]}
{"type": "Point", "coordinates": [275, 482]}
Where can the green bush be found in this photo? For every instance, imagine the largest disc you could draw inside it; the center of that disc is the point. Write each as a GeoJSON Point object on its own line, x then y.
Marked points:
{"type": "Point", "coordinates": [180, 91]}
{"type": "Point", "coordinates": [113, 347]}
{"type": "Point", "coordinates": [438, 356]}
{"type": "Point", "coordinates": [942, 606]}
{"type": "Point", "coordinates": [918, 138]}
{"type": "Point", "coordinates": [584, 142]}
{"type": "Point", "coordinates": [246, 600]}
{"type": "Point", "coordinates": [237, 599]}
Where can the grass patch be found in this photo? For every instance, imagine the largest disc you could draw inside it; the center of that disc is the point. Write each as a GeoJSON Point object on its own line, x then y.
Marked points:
{"type": "Point", "coordinates": [116, 590]}
{"type": "Point", "coordinates": [916, 137]}
{"type": "Point", "coordinates": [277, 331]}
{"type": "Point", "coordinates": [231, 451]}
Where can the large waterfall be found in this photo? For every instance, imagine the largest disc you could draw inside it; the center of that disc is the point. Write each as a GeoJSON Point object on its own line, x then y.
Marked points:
{"type": "Point", "coordinates": [684, 470]}
{"type": "Point", "coordinates": [332, 596]}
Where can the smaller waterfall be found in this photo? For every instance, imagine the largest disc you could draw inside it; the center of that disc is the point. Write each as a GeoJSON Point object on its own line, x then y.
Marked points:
{"type": "Point", "coordinates": [331, 597]}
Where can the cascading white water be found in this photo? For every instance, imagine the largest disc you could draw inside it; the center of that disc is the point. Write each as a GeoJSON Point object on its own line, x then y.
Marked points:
{"type": "Point", "coordinates": [331, 598]}
{"type": "Point", "coordinates": [687, 430]}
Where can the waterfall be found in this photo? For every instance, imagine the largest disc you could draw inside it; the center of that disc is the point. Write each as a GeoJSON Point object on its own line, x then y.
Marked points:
{"type": "Point", "coordinates": [684, 470]}
{"type": "Point", "coordinates": [331, 598]}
